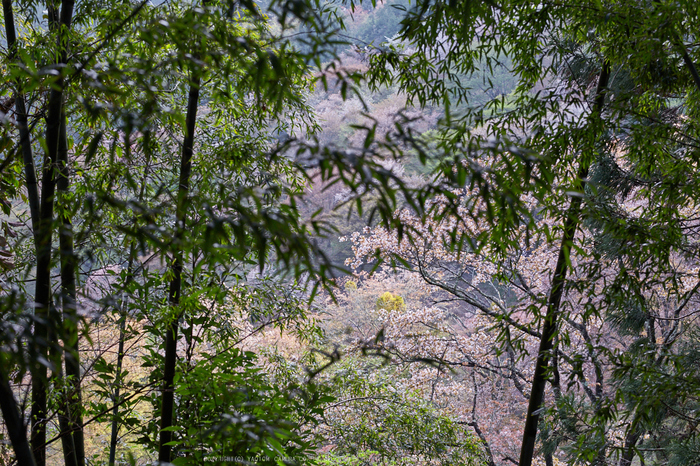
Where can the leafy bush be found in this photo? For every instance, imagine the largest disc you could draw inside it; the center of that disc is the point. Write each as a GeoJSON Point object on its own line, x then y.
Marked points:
{"type": "Point", "coordinates": [390, 302]}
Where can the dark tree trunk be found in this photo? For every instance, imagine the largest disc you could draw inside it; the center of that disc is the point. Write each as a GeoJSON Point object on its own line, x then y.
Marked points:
{"type": "Point", "coordinates": [43, 315]}
{"type": "Point", "coordinates": [628, 452]}
{"type": "Point", "coordinates": [22, 122]}
{"type": "Point", "coordinates": [10, 410]}
{"type": "Point", "coordinates": [15, 426]}
{"type": "Point", "coordinates": [70, 314]}
{"type": "Point", "coordinates": [167, 418]}
{"type": "Point", "coordinates": [66, 435]}
{"type": "Point", "coordinates": [551, 319]}
{"type": "Point", "coordinates": [44, 237]}
{"type": "Point", "coordinates": [114, 436]}
{"type": "Point", "coordinates": [38, 410]}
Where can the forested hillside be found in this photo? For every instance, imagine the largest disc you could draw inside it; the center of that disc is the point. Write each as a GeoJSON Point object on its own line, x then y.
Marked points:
{"type": "Point", "coordinates": [305, 232]}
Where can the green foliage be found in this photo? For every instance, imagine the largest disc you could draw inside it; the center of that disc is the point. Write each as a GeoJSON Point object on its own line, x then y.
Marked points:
{"type": "Point", "coordinates": [231, 408]}
{"type": "Point", "coordinates": [229, 404]}
{"type": "Point", "coordinates": [375, 421]}
{"type": "Point", "coordinates": [127, 89]}
{"type": "Point", "coordinates": [361, 458]}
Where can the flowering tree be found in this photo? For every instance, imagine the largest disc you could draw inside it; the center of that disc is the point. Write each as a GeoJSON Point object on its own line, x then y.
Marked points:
{"type": "Point", "coordinates": [564, 211]}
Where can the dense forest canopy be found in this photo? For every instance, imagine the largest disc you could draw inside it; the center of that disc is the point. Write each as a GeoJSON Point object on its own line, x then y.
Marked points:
{"type": "Point", "coordinates": [339, 233]}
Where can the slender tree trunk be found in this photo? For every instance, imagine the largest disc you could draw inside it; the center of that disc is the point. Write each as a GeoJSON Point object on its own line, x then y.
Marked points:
{"type": "Point", "coordinates": [42, 311]}
{"type": "Point", "coordinates": [124, 314]}
{"type": "Point", "coordinates": [551, 319]}
{"type": "Point", "coordinates": [70, 314]}
{"type": "Point", "coordinates": [114, 436]}
{"type": "Point", "coordinates": [16, 429]}
{"type": "Point", "coordinates": [628, 451]}
{"type": "Point", "coordinates": [167, 418]}
{"type": "Point", "coordinates": [677, 40]}
{"type": "Point", "coordinates": [64, 420]}
{"type": "Point", "coordinates": [22, 121]}
{"type": "Point", "coordinates": [43, 314]}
